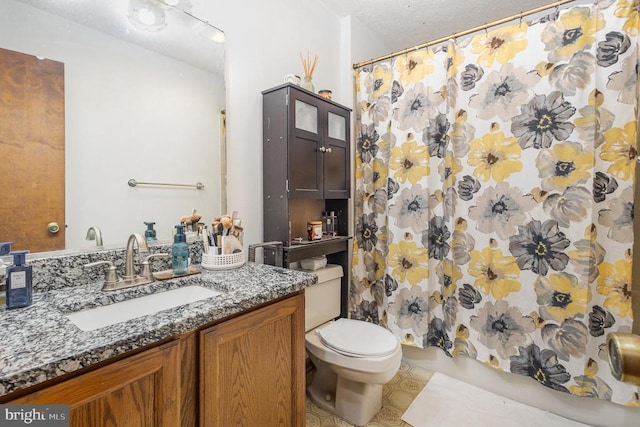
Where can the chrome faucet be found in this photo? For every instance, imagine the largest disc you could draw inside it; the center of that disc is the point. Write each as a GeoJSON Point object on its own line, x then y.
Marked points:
{"type": "Point", "coordinates": [113, 281]}
{"type": "Point", "coordinates": [143, 248]}
{"type": "Point", "coordinates": [94, 233]}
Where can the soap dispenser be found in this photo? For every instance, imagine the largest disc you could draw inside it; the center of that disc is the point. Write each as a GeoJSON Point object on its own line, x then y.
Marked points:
{"type": "Point", "coordinates": [18, 287]}
{"type": "Point", "coordinates": [150, 233]}
{"type": "Point", "coordinates": [179, 252]}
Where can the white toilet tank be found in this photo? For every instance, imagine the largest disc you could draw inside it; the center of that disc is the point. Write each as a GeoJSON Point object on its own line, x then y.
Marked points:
{"type": "Point", "coordinates": [322, 301]}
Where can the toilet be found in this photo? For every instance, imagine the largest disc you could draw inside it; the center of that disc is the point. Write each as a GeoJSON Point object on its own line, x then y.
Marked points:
{"type": "Point", "coordinates": [353, 358]}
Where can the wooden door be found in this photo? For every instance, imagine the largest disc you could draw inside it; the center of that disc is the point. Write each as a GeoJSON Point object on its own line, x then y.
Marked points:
{"type": "Point", "coordinates": [139, 391]}
{"type": "Point", "coordinates": [31, 151]}
{"type": "Point", "coordinates": [252, 368]}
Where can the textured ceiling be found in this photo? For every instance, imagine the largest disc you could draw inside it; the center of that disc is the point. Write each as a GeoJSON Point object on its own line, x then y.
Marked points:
{"type": "Point", "coordinates": [178, 40]}
{"type": "Point", "coordinates": [406, 23]}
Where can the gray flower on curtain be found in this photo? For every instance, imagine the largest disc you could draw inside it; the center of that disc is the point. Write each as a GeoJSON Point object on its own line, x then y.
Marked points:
{"type": "Point", "coordinates": [603, 184]}
{"type": "Point", "coordinates": [396, 91]}
{"type": "Point", "coordinates": [366, 229]}
{"type": "Point", "coordinates": [616, 44]}
{"type": "Point", "coordinates": [412, 208]}
{"type": "Point", "coordinates": [542, 366]}
{"type": "Point", "coordinates": [390, 285]}
{"type": "Point", "coordinates": [576, 74]}
{"type": "Point", "coordinates": [625, 81]}
{"type": "Point", "coordinates": [438, 337]}
{"type": "Point", "coordinates": [411, 310]}
{"type": "Point", "coordinates": [588, 256]}
{"type": "Point", "coordinates": [502, 328]}
{"type": "Point", "coordinates": [436, 136]}
{"type": "Point", "coordinates": [468, 187]}
{"type": "Point", "coordinates": [619, 217]}
{"type": "Point", "coordinates": [542, 120]}
{"type": "Point", "coordinates": [538, 246]}
{"type": "Point", "coordinates": [392, 188]}
{"type": "Point", "coordinates": [436, 238]}
{"type": "Point", "coordinates": [568, 339]}
{"type": "Point", "coordinates": [367, 311]}
{"type": "Point", "coordinates": [469, 296]}
{"type": "Point", "coordinates": [416, 107]}
{"type": "Point", "coordinates": [500, 209]}
{"type": "Point", "coordinates": [599, 320]}
{"type": "Point", "coordinates": [470, 76]}
{"type": "Point", "coordinates": [367, 142]}
{"type": "Point", "coordinates": [503, 91]}
{"type": "Point", "coordinates": [570, 206]}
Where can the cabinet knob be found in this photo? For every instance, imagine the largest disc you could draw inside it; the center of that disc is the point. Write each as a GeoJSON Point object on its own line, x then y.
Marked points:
{"type": "Point", "coordinates": [324, 149]}
{"type": "Point", "coordinates": [328, 150]}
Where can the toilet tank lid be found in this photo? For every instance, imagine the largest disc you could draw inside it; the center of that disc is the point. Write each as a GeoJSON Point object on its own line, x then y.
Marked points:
{"type": "Point", "coordinates": [330, 272]}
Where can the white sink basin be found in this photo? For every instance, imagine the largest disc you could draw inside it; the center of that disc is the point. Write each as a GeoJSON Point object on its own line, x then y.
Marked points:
{"type": "Point", "coordinates": [99, 317]}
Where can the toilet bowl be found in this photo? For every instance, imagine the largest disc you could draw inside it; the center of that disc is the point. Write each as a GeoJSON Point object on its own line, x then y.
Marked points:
{"type": "Point", "coordinates": [353, 358]}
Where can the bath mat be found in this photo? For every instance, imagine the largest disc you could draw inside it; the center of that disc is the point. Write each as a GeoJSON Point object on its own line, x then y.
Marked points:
{"type": "Point", "coordinates": [446, 402]}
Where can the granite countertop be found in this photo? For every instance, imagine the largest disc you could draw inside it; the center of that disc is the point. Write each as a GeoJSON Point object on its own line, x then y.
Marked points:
{"type": "Point", "coordinates": [39, 343]}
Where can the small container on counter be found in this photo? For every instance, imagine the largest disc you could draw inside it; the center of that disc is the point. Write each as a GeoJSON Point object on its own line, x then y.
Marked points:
{"type": "Point", "coordinates": [314, 230]}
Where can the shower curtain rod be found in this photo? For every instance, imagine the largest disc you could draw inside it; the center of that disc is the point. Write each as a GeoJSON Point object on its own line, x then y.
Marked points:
{"type": "Point", "coordinates": [463, 33]}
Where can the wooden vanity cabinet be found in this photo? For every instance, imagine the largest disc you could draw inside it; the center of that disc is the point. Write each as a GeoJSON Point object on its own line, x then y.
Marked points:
{"type": "Point", "coordinates": [245, 371]}
{"type": "Point", "coordinates": [138, 391]}
{"type": "Point", "coordinates": [252, 368]}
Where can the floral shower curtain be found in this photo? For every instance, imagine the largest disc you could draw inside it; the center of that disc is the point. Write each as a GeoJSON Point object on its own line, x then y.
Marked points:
{"type": "Point", "coordinates": [494, 196]}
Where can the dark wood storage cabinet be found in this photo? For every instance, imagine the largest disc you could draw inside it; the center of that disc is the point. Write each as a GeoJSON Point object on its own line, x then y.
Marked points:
{"type": "Point", "coordinates": [306, 171]}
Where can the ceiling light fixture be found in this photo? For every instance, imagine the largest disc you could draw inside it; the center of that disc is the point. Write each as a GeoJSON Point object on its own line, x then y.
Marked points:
{"type": "Point", "coordinates": [146, 15]}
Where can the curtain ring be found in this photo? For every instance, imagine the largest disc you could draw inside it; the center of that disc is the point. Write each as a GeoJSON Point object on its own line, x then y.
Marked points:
{"type": "Point", "coordinates": [520, 24]}
{"type": "Point", "coordinates": [486, 29]}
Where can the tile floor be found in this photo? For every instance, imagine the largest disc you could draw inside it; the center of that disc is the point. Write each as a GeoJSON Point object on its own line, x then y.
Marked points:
{"type": "Point", "coordinates": [396, 397]}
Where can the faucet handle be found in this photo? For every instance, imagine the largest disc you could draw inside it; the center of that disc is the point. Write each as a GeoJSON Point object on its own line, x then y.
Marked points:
{"type": "Point", "coordinates": [111, 276]}
{"type": "Point", "coordinates": [146, 268]}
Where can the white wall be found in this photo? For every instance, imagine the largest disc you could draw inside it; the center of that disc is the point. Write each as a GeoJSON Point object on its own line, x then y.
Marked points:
{"type": "Point", "coordinates": [130, 113]}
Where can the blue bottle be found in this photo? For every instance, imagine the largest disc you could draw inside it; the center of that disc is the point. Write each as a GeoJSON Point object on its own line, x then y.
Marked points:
{"type": "Point", "coordinates": [179, 252]}
{"type": "Point", "coordinates": [150, 233]}
{"type": "Point", "coordinates": [18, 287]}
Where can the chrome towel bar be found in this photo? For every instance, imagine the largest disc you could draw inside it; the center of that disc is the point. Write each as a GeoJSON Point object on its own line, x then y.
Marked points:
{"type": "Point", "coordinates": [133, 183]}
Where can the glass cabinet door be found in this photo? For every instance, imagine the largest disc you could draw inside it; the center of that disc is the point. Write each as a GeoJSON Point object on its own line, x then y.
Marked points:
{"type": "Point", "coordinates": [337, 127]}
{"type": "Point", "coordinates": [306, 117]}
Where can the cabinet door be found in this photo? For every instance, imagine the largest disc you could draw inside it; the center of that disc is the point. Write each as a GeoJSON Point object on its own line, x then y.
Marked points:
{"type": "Point", "coordinates": [305, 140]}
{"type": "Point", "coordinates": [139, 391]}
{"type": "Point", "coordinates": [335, 153]}
{"type": "Point", "coordinates": [252, 368]}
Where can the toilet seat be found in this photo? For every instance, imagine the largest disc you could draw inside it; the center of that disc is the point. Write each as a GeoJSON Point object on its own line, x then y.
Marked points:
{"type": "Point", "coordinates": [356, 338]}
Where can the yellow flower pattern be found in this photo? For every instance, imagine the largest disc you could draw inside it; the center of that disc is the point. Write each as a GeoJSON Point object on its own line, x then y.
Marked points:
{"type": "Point", "coordinates": [614, 283]}
{"type": "Point", "coordinates": [407, 262]}
{"type": "Point", "coordinates": [409, 161]}
{"type": "Point", "coordinates": [620, 150]}
{"type": "Point", "coordinates": [493, 195]}
{"type": "Point", "coordinates": [500, 45]}
{"type": "Point", "coordinates": [413, 67]}
{"type": "Point", "coordinates": [496, 275]}
{"type": "Point", "coordinates": [495, 156]}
